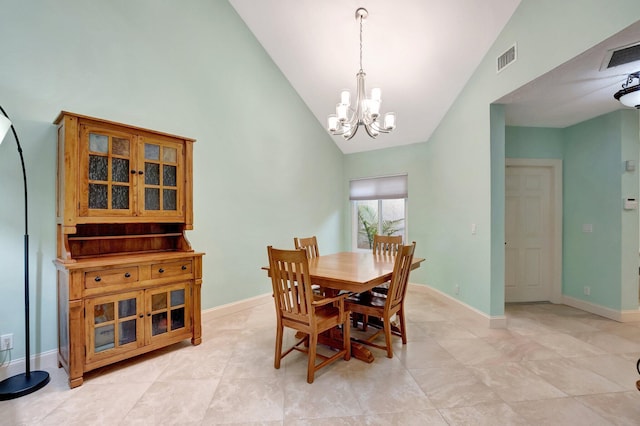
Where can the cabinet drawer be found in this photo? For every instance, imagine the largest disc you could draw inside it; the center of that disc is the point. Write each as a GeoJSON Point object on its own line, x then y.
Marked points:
{"type": "Point", "coordinates": [104, 277]}
{"type": "Point", "coordinates": [172, 269]}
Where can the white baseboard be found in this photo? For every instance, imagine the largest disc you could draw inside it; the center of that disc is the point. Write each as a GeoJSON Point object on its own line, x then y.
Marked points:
{"type": "Point", "coordinates": [46, 361]}
{"type": "Point", "coordinates": [490, 321]}
{"type": "Point", "coordinates": [620, 316]}
{"type": "Point", "coordinates": [241, 305]}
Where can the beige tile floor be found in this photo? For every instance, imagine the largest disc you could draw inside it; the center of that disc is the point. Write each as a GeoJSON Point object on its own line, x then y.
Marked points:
{"type": "Point", "coordinates": [553, 365]}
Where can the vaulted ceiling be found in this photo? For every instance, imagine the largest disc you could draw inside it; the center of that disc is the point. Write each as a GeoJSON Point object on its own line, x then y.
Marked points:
{"type": "Point", "coordinates": [420, 53]}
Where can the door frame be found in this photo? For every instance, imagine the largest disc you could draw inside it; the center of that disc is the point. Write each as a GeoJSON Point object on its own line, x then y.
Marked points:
{"type": "Point", "coordinates": [555, 165]}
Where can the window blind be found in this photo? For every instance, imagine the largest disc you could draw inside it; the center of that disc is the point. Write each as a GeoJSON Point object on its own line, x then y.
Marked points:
{"type": "Point", "coordinates": [379, 188]}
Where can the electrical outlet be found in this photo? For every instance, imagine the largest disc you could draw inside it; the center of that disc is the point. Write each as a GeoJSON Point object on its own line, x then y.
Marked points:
{"type": "Point", "coordinates": [457, 289]}
{"type": "Point", "coordinates": [587, 291]}
{"type": "Point", "coordinates": [6, 342]}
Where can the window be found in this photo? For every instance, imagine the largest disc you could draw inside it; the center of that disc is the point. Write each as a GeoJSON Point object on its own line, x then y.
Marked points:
{"type": "Point", "coordinates": [379, 207]}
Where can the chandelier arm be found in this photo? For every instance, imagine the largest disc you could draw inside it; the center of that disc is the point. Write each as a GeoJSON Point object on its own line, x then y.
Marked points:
{"type": "Point", "coordinates": [346, 126]}
{"type": "Point", "coordinates": [349, 136]}
{"type": "Point", "coordinates": [353, 120]}
{"type": "Point", "coordinates": [339, 132]}
{"type": "Point", "coordinates": [368, 128]}
{"type": "Point", "coordinates": [375, 125]}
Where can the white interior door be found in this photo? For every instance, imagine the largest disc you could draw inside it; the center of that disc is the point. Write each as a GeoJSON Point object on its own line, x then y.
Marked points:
{"type": "Point", "coordinates": [529, 233]}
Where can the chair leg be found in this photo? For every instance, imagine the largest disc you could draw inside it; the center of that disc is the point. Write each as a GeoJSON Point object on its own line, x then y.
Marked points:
{"type": "Point", "coordinates": [387, 337]}
{"type": "Point", "coordinates": [311, 362]}
{"type": "Point", "coordinates": [403, 326]}
{"type": "Point", "coordinates": [278, 357]}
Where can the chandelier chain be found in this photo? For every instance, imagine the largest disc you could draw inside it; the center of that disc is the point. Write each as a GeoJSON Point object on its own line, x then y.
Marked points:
{"type": "Point", "coordinates": [360, 43]}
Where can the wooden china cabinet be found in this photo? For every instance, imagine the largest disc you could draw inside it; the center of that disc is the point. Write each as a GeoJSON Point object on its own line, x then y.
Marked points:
{"type": "Point", "coordinates": [128, 280]}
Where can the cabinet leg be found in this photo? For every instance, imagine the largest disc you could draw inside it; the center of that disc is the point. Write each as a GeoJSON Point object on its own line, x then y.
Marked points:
{"type": "Point", "coordinates": [74, 383]}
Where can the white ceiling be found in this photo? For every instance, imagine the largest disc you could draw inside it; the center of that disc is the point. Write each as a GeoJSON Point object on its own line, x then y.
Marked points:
{"type": "Point", "coordinates": [420, 53]}
{"type": "Point", "coordinates": [576, 90]}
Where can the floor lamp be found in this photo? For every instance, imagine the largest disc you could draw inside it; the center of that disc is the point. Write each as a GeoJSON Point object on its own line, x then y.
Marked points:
{"type": "Point", "coordinates": [29, 381]}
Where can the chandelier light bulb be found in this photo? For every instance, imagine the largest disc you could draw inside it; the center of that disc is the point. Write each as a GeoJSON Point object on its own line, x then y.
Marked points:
{"type": "Point", "coordinates": [390, 121]}
{"type": "Point", "coordinates": [345, 98]}
{"type": "Point", "coordinates": [332, 122]}
{"type": "Point", "coordinates": [376, 94]}
{"type": "Point", "coordinates": [341, 111]}
{"type": "Point", "coordinates": [374, 108]}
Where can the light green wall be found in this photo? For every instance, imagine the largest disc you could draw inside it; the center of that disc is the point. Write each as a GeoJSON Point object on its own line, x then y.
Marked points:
{"type": "Point", "coordinates": [593, 170]}
{"type": "Point", "coordinates": [594, 183]}
{"type": "Point", "coordinates": [547, 33]}
{"type": "Point", "coordinates": [534, 142]}
{"type": "Point", "coordinates": [498, 236]}
{"type": "Point", "coordinates": [630, 139]}
{"type": "Point", "coordinates": [264, 168]}
{"type": "Point", "coordinates": [410, 159]}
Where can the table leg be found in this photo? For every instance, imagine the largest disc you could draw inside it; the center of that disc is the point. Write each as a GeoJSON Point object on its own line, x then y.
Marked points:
{"type": "Point", "coordinates": [358, 350]}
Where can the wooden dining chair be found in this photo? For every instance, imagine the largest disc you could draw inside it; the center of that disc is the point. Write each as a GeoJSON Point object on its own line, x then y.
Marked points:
{"type": "Point", "coordinates": [386, 244]}
{"type": "Point", "coordinates": [385, 306]}
{"type": "Point", "coordinates": [310, 245]}
{"type": "Point", "coordinates": [298, 308]}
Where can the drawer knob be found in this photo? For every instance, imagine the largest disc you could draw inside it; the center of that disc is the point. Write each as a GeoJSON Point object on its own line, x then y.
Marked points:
{"type": "Point", "coordinates": [141, 315]}
{"type": "Point", "coordinates": [133, 172]}
{"type": "Point", "coordinates": [140, 172]}
{"type": "Point", "coordinates": [184, 267]}
{"type": "Point", "coordinates": [98, 279]}
{"type": "Point", "coordinates": [127, 275]}
{"type": "Point", "coordinates": [161, 270]}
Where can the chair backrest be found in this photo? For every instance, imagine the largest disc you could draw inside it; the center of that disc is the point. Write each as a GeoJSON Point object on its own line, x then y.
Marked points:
{"type": "Point", "coordinates": [386, 244]}
{"type": "Point", "coordinates": [400, 275]}
{"type": "Point", "coordinates": [310, 245]}
{"type": "Point", "coordinates": [289, 270]}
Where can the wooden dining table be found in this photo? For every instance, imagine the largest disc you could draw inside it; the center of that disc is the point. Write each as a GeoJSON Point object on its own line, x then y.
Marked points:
{"type": "Point", "coordinates": [354, 272]}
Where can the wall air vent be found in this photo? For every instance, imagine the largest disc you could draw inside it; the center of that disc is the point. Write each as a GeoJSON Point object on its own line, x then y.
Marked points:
{"type": "Point", "coordinates": [506, 58]}
{"type": "Point", "coordinates": [621, 55]}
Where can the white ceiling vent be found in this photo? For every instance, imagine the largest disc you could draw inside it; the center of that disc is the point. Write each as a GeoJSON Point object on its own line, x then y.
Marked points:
{"type": "Point", "coordinates": [621, 56]}
{"type": "Point", "coordinates": [506, 58]}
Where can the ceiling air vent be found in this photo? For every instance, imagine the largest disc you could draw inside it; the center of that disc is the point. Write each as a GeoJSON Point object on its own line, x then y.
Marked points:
{"type": "Point", "coordinates": [506, 58]}
{"type": "Point", "coordinates": [621, 55]}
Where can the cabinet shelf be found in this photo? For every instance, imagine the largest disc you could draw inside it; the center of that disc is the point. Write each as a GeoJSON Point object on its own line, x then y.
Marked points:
{"type": "Point", "coordinates": [115, 237]}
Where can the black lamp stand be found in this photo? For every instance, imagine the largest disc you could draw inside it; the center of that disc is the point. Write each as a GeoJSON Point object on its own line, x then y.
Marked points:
{"type": "Point", "coordinates": [29, 381]}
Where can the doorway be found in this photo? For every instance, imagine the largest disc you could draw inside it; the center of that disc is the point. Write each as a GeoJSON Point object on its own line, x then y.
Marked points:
{"type": "Point", "coordinates": [533, 230]}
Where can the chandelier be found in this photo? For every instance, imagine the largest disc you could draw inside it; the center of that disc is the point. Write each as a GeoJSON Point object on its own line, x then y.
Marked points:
{"type": "Point", "coordinates": [630, 95]}
{"type": "Point", "coordinates": [365, 111]}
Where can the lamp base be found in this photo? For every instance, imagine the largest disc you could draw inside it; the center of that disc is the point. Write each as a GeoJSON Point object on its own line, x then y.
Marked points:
{"type": "Point", "coordinates": [21, 385]}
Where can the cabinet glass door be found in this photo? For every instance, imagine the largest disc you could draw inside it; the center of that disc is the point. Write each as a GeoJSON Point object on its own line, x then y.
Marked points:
{"type": "Point", "coordinates": [163, 178]}
{"type": "Point", "coordinates": [106, 174]}
{"type": "Point", "coordinates": [114, 323]}
{"type": "Point", "coordinates": [168, 310]}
